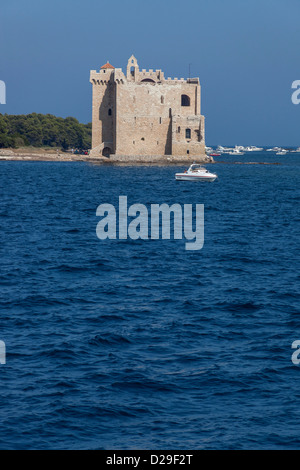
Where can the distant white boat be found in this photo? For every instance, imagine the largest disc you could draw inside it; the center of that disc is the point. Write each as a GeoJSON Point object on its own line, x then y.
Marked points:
{"type": "Point", "coordinates": [282, 152]}
{"type": "Point", "coordinates": [239, 149]}
{"type": "Point", "coordinates": [221, 149]}
{"type": "Point", "coordinates": [253, 148]}
{"type": "Point", "coordinates": [196, 173]}
{"type": "Point", "coordinates": [236, 151]}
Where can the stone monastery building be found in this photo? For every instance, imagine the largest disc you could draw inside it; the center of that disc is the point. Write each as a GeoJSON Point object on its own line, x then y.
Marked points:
{"type": "Point", "coordinates": [143, 113]}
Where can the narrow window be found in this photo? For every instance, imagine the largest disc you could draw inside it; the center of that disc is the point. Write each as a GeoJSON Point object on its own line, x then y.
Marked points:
{"type": "Point", "coordinates": [162, 99]}
{"type": "Point", "coordinates": [185, 100]}
{"type": "Point", "coordinates": [188, 152]}
{"type": "Point", "coordinates": [188, 133]}
{"type": "Point", "coordinates": [159, 120]}
{"type": "Point", "coordinates": [178, 130]}
{"type": "Point", "coordinates": [109, 112]}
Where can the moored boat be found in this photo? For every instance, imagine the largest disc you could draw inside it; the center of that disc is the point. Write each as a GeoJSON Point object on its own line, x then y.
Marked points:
{"type": "Point", "coordinates": [196, 173]}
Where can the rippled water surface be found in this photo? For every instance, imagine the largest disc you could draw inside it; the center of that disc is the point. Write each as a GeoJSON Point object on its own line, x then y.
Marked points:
{"type": "Point", "coordinates": [142, 344]}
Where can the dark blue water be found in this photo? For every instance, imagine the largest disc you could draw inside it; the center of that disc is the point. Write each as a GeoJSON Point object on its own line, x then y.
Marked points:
{"type": "Point", "coordinates": [142, 344]}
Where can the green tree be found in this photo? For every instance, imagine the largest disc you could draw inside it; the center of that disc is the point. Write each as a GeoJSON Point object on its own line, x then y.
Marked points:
{"type": "Point", "coordinates": [44, 130]}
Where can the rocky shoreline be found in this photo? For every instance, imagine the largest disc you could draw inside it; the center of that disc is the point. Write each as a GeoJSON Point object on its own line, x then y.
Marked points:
{"type": "Point", "coordinates": [39, 155]}
{"type": "Point", "coordinates": [14, 155]}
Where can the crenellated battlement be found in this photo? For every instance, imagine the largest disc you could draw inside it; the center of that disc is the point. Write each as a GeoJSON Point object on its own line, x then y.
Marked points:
{"type": "Point", "coordinates": [103, 77]}
{"type": "Point", "coordinates": [106, 75]}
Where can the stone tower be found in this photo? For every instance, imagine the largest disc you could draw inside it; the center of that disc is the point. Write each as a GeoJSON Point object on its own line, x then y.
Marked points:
{"type": "Point", "coordinates": [143, 113]}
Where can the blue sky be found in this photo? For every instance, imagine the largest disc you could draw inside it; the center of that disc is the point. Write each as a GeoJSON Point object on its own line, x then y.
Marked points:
{"type": "Point", "coordinates": [246, 53]}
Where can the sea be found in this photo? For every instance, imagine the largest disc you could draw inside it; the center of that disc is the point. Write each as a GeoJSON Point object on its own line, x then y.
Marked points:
{"type": "Point", "coordinates": [142, 344]}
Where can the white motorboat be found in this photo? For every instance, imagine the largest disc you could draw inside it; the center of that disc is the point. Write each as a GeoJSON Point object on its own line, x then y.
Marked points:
{"type": "Point", "coordinates": [196, 173]}
{"type": "Point", "coordinates": [253, 148]}
{"type": "Point", "coordinates": [282, 152]}
{"type": "Point", "coordinates": [236, 152]}
{"type": "Point", "coordinates": [221, 149]}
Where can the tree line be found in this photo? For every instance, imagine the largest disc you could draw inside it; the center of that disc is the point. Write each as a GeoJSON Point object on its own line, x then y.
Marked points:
{"type": "Point", "coordinates": [39, 130]}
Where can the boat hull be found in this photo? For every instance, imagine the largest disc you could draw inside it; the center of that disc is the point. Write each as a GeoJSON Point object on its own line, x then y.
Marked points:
{"type": "Point", "coordinates": [185, 177]}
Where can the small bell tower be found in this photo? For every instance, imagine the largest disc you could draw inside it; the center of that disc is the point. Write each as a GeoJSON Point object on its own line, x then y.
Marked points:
{"type": "Point", "coordinates": [132, 69]}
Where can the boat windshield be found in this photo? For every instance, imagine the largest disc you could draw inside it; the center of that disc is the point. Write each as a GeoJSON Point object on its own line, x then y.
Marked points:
{"type": "Point", "coordinates": [196, 168]}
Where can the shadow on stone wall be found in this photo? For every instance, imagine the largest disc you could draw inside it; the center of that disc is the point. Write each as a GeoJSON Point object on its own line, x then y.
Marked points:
{"type": "Point", "coordinates": [168, 147]}
{"type": "Point", "coordinates": [107, 113]}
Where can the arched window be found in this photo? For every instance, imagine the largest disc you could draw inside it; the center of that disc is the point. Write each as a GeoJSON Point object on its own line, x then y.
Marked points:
{"type": "Point", "coordinates": [185, 100]}
{"type": "Point", "coordinates": [109, 112]}
{"type": "Point", "coordinates": [178, 130]}
{"type": "Point", "coordinates": [188, 133]}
